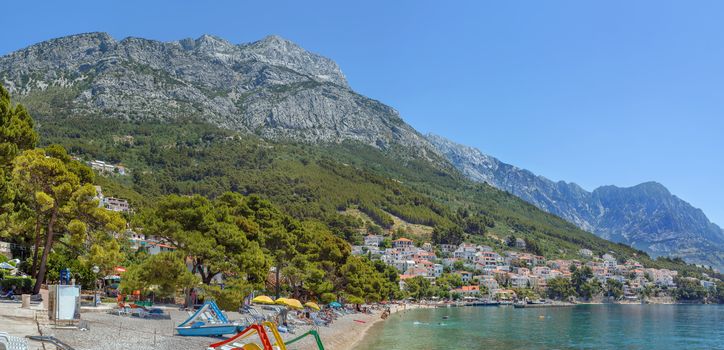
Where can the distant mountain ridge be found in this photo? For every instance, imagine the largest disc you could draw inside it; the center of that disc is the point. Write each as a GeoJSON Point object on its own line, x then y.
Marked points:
{"type": "Point", "coordinates": [646, 216]}
{"type": "Point", "coordinates": [271, 87]}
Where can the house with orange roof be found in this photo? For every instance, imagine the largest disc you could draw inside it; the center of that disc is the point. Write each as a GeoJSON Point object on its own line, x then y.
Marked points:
{"type": "Point", "coordinates": [467, 290]}
{"type": "Point", "coordinates": [154, 248]}
{"type": "Point", "coordinates": [416, 271]}
{"type": "Point", "coordinates": [402, 283]}
{"type": "Point", "coordinates": [402, 243]}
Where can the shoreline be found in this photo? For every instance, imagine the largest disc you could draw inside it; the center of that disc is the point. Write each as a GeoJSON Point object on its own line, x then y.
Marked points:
{"type": "Point", "coordinates": [393, 310]}
{"type": "Point", "coordinates": [361, 335]}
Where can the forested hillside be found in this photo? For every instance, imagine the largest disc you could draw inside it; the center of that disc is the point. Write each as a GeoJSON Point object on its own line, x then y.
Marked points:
{"type": "Point", "coordinates": [317, 181]}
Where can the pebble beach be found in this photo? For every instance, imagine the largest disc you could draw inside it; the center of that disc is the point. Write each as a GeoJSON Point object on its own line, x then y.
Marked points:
{"type": "Point", "coordinates": [107, 331]}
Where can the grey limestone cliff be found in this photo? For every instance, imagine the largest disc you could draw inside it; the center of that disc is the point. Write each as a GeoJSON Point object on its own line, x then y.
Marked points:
{"type": "Point", "coordinates": [271, 87]}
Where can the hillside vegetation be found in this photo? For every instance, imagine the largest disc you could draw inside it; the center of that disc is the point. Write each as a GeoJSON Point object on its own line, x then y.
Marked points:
{"type": "Point", "coordinates": [319, 181]}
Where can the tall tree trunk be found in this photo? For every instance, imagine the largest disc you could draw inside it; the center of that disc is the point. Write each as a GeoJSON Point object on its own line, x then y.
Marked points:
{"type": "Point", "coordinates": [276, 281]}
{"type": "Point", "coordinates": [48, 245]}
{"type": "Point", "coordinates": [206, 278]}
{"type": "Point", "coordinates": [206, 275]}
{"type": "Point", "coordinates": [37, 247]}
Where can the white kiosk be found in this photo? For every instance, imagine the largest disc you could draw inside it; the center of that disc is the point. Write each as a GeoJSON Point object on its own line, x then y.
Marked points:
{"type": "Point", "coordinates": [64, 303]}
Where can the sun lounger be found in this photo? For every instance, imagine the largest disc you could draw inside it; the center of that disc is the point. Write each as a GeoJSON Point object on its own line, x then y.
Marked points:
{"type": "Point", "coordinates": [319, 321]}
{"type": "Point", "coordinates": [157, 314]}
{"type": "Point", "coordinates": [257, 315]}
{"type": "Point", "coordinates": [291, 319]}
{"type": "Point", "coordinates": [9, 342]}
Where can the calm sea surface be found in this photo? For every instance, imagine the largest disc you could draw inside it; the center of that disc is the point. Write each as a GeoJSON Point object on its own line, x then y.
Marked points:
{"type": "Point", "coordinates": [580, 327]}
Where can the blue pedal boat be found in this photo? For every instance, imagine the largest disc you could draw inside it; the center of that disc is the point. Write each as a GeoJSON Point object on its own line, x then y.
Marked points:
{"type": "Point", "coordinates": [207, 321]}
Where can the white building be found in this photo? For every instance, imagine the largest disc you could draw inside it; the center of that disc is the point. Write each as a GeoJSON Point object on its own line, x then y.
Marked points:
{"type": "Point", "coordinates": [154, 248]}
{"type": "Point", "coordinates": [5, 249]}
{"type": "Point", "coordinates": [520, 243]}
{"type": "Point", "coordinates": [490, 283]}
{"type": "Point", "coordinates": [465, 276]}
{"type": "Point", "coordinates": [106, 168]}
{"type": "Point", "coordinates": [542, 271]}
{"type": "Point", "coordinates": [437, 270]}
{"type": "Point", "coordinates": [116, 204]}
{"type": "Point", "coordinates": [609, 261]}
{"type": "Point", "coordinates": [373, 240]}
{"type": "Point", "coordinates": [402, 243]}
{"type": "Point", "coordinates": [708, 284]}
{"type": "Point", "coordinates": [448, 248]}
{"type": "Point", "coordinates": [519, 281]}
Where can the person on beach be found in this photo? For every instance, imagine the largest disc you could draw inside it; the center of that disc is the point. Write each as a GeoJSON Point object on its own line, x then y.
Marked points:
{"type": "Point", "coordinates": [10, 294]}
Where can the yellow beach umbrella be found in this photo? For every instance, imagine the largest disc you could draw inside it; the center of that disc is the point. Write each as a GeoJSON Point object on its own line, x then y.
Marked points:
{"type": "Point", "coordinates": [262, 299]}
{"type": "Point", "coordinates": [292, 303]}
{"type": "Point", "coordinates": [312, 305]}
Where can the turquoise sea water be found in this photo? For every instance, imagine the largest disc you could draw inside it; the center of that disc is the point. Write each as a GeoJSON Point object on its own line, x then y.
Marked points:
{"type": "Point", "coordinates": [580, 327]}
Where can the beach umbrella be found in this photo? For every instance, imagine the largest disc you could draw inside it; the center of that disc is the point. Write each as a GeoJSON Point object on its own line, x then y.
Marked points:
{"type": "Point", "coordinates": [6, 266]}
{"type": "Point", "coordinates": [263, 299]}
{"type": "Point", "coordinates": [335, 304]}
{"type": "Point", "coordinates": [292, 303]}
{"type": "Point", "coordinates": [312, 305]}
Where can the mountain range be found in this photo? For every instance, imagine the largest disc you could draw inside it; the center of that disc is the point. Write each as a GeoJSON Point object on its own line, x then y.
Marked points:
{"type": "Point", "coordinates": [646, 216]}
{"type": "Point", "coordinates": [276, 90]}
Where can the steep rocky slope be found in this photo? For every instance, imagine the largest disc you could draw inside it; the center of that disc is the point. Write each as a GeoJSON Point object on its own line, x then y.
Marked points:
{"type": "Point", "coordinates": [271, 87]}
{"type": "Point", "coordinates": [646, 216]}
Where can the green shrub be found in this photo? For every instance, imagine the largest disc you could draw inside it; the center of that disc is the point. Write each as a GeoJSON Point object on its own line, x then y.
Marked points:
{"type": "Point", "coordinates": [327, 298]}
{"type": "Point", "coordinates": [21, 283]}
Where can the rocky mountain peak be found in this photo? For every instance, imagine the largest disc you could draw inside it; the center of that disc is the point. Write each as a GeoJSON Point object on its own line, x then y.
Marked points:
{"type": "Point", "coordinates": [79, 39]}
{"type": "Point", "coordinates": [211, 43]}
{"type": "Point", "coordinates": [276, 40]}
{"type": "Point", "coordinates": [271, 87]}
{"type": "Point", "coordinates": [653, 187]}
{"type": "Point", "coordinates": [278, 51]}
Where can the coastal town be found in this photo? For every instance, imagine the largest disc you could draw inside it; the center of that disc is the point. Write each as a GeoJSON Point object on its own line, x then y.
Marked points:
{"type": "Point", "coordinates": [492, 275]}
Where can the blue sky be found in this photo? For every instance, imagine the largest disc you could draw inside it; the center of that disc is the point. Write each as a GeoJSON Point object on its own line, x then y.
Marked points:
{"type": "Point", "coordinates": [607, 92]}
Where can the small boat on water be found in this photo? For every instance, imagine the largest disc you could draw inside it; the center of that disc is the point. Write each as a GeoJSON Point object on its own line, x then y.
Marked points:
{"type": "Point", "coordinates": [484, 303]}
{"type": "Point", "coordinates": [531, 305]}
{"type": "Point", "coordinates": [445, 317]}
